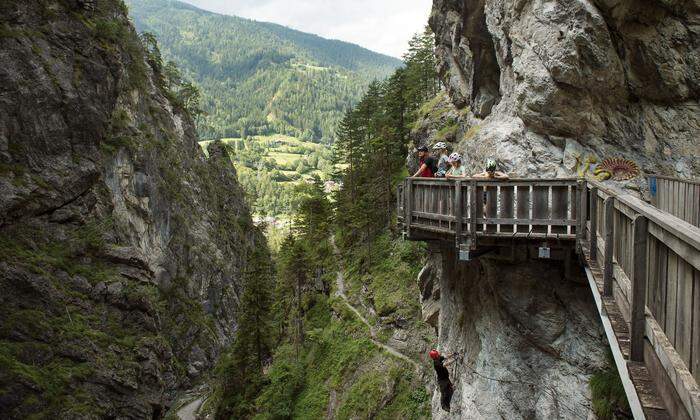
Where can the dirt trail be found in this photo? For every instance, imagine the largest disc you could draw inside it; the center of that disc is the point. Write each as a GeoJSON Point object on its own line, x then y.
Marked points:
{"type": "Point", "coordinates": [340, 292]}
{"type": "Point", "coordinates": [189, 411]}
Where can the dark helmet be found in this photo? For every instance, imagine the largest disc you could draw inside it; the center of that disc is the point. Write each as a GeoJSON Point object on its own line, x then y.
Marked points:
{"type": "Point", "coordinates": [491, 165]}
{"type": "Point", "coordinates": [423, 149]}
{"type": "Point", "coordinates": [434, 354]}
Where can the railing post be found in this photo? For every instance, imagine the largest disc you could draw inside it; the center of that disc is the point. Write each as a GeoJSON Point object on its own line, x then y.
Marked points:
{"type": "Point", "coordinates": [608, 250]}
{"type": "Point", "coordinates": [408, 198]}
{"type": "Point", "coordinates": [593, 211]}
{"type": "Point", "coordinates": [639, 287]}
{"type": "Point", "coordinates": [458, 213]}
{"type": "Point", "coordinates": [581, 188]}
{"type": "Point", "coordinates": [399, 189]}
{"type": "Point", "coordinates": [472, 214]}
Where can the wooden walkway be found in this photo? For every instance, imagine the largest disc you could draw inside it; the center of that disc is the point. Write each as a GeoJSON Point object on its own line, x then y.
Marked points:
{"type": "Point", "coordinates": [643, 264]}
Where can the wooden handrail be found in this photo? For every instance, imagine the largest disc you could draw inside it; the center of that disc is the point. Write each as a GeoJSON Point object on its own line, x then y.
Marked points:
{"type": "Point", "coordinates": [677, 196]}
{"type": "Point", "coordinates": [649, 259]}
{"type": "Point", "coordinates": [500, 181]}
{"type": "Point", "coordinates": [676, 226]}
{"type": "Point", "coordinates": [674, 178]}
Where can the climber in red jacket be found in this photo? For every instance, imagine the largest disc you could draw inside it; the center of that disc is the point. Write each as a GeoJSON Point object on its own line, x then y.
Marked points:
{"type": "Point", "coordinates": [443, 377]}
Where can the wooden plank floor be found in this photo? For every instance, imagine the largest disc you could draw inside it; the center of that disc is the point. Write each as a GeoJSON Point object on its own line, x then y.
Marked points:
{"type": "Point", "coordinates": [649, 397]}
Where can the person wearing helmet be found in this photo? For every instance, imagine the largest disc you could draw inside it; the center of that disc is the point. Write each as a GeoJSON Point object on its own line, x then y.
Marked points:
{"type": "Point", "coordinates": [457, 170]}
{"type": "Point", "coordinates": [427, 165]}
{"type": "Point", "coordinates": [440, 149]}
{"type": "Point", "coordinates": [490, 171]}
{"type": "Point", "coordinates": [443, 377]}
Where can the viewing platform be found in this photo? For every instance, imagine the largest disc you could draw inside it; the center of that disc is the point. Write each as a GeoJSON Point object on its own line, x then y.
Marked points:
{"type": "Point", "coordinates": [642, 262]}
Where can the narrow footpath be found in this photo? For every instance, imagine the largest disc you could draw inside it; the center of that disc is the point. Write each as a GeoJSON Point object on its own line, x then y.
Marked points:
{"type": "Point", "coordinates": [340, 292]}
{"type": "Point", "coordinates": [189, 411]}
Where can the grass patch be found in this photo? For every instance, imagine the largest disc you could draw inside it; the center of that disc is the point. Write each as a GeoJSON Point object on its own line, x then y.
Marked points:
{"type": "Point", "coordinates": [12, 168]}
{"type": "Point", "coordinates": [607, 393]}
{"type": "Point", "coordinates": [334, 351]}
{"type": "Point", "coordinates": [388, 269]}
{"type": "Point", "coordinates": [448, 132]}
{"type": "Point", "coordinates": [284, 158]}
{"type": "Point", "coordinates": [473, 131]}
{"type": "Point", "coordinates": [8, 32]}
{"type": "Point", "coordinates": [111, 30]}
{"type": "Point", "coordinates": [431, 106]}
{"type": "Point", "coordinates": [52, 380]}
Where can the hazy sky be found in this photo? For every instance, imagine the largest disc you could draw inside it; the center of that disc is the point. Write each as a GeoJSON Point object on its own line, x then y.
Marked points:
{"type": "Point", "coordinates": [381, 25]}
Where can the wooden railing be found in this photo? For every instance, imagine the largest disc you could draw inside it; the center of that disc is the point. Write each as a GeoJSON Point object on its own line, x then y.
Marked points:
{"type": "Point", "coordinates": [650, 259]}
{"type": "Point", "coordinates": [533, 208]}
{"type": "Point", "coordinates": [651, 266]}
{"type": "Point", "coordinates": [680, 197]}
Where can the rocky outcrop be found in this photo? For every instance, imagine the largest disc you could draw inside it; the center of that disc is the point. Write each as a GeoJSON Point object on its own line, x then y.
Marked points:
{"type": "Point", "coordinates": [527, 340]}
{"type": "Point", "coordinates": [549, 83]}
{"type": "Point", "coordinates": [121, 246]}
{"type": "Point", "coordinates": [548, 88]}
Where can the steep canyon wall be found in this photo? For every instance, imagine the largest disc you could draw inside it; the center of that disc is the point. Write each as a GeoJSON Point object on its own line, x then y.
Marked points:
{"type": "Point", "coordinates": [122, 246]}
{"type": "Point", "coordinates": [547, 82]}
{"type": "Point", "coordinates": [547, 87]}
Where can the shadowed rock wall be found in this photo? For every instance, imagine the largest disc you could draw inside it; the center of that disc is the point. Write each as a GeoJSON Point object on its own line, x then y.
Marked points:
{"type": "Point", "coordinates": [121, 246]}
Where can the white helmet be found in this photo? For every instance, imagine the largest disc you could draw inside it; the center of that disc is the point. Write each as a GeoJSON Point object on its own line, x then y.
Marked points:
{"type": "Point", "coordinates": [439, 145]}
{"type": "Point", "coordinates": [454, 157]}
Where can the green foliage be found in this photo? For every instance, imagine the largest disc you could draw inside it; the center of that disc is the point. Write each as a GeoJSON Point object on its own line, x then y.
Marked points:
{"type": "Point", "coordinates": [268, 169]}
{"type": "Point", "coordinates": [260, 78]}
{"type": "Point", "coordinates": [372, 146]}
{"type": "Point", "coordinates": [6, 31]}
{"type": "Point", "coordinates": [473, 130]}
{"type": "Point", "coordinates": [50, 378]}
{"type": "Point", "coordinates": [607, 393]}
{"type": "Point", "coordinates": [30, 248]}
{"type": "Point", "coordinates": [388, 268]}
{"type": "Point", "coordinates": [299, 387]}
{"type": "Point", "coordinates": [448, 132]}
{"type": "Point", "coordinates": [111, 30]}
{"type": "Point", "coordinates": [430, 108]}
{"type": "Point", "coordinates": [15, 169]}
{"type": "Point", "coordinates": [319, 355]}
{"type": "Point", "coordinates": [286, 378]}
{"type": "Point", "coordinates": [180, 92]}
{"type": "Point", "coordinates": [361, 400]}
{"type": "Point", "coordinates": [242, 368]}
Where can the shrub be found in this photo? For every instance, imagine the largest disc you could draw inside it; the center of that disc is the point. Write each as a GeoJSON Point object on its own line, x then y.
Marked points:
{"type": "Point", "coordinates": [607, 393]}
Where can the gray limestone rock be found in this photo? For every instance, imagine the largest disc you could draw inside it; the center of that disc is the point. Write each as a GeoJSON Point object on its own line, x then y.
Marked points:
{"type": "Point", "coordinates": [527, 340]}
{"type": "Point", "coordinates": [532, 77]}
{"type": "Point", "coordinates": [545, 87]}
{"type": "Point", "coordinates": [114, 226]}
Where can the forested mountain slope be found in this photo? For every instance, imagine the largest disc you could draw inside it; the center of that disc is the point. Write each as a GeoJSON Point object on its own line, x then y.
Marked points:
{"type": "Point", "coordinates": [261, 78]}
{"type": "Point", "coordinates": [345, 329]}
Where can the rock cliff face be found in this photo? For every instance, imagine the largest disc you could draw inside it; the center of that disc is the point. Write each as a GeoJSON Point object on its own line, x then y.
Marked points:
{"type": "Point", "coordinates": [545, 87]}
{"type": "Point", "coordinates": [542, 83]}
{"type": "Point", "coordinates": [121, 245]}
{"type": "Point", "coordinates": [528, 340]}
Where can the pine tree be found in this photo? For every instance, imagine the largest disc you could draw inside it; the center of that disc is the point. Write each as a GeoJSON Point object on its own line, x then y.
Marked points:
{"type": "Point", "coordinates": [372, 146]}
{"type": "Point", "coordinates": [242, 371]}
{"type": "Point", "coordinates": [293, 280]}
